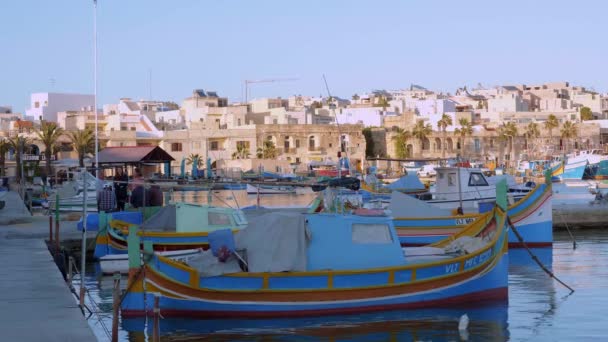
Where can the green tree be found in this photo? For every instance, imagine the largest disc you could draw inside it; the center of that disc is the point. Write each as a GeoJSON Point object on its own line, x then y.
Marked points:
{"type": "Point", "coordinates": [568, 132]}
{"type": "Point", "coordinates": [83, 142]}
{"type": "Point", "coordinates": [400, 139]}
{"type": "Point", "coordinates": [316, 105]}
{"type": "Point", "coordinates": [421, 131]}
{"type": "Point", "coordinates": [442, 125]}
{"type": "Point", "coordinates": [195, 157]}
{"type": "Point", "coordinates": [20, 145]}
{"type": "Point", "coordinates": [369, 142]}
{"type": "Point", "coordinates": [382, 102]}
{"type": "Point", "coordinates": [550, 124]}
{"type": "Point", "coordinates": [49, 134]}
{"type": "Point", "coordinates": [4, 147]}
{"type": "Point", "coordinates": [267, 151]}
{"type": "Point", "coordinates": [356, 97]}
{"type": "Point", "coordinates": [242, 152]}
{"type": "Point", "coordinates": [586, 114]}
{"type": "Point", "coordinates": [507, 132]}
{"type": "Point", "coordinates": [465, 129]}
{"type": "Point", "coordinates": [532, 132]}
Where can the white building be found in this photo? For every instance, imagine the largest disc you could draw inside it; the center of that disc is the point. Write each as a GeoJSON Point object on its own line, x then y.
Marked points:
{"type": "Point", "coordinates": [366, 116]}
{"type": "Point", "coordinates": [45, 106]}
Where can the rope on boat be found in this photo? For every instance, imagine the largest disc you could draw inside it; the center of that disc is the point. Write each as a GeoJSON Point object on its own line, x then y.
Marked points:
{"type": "Point", "coordinates": [535, 258]}
{"type": "Point", "coordinates": [567, 229]}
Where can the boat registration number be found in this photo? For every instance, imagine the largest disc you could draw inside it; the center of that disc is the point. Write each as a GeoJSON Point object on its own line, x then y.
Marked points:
{"type": "Point", "coordinates": [464, 221]}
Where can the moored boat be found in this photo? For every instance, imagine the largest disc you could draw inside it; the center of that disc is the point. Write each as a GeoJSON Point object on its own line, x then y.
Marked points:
{"type": "Point", "coordinates": [328, 264]}
{"type": "Point", "coordinates": [174, 227]}
{"type": "Point", "coordinates": [270, 189]}
{"type": "Point", "coordinates": [532, 215]}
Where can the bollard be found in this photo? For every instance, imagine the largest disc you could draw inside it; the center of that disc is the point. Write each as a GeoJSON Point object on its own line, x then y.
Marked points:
{"type": "Point", "coordinates": [115, 306]}
{"type": "Point", "coordinates": [51, 230]}
{"type": "Point", "coordinates": [156, 324]}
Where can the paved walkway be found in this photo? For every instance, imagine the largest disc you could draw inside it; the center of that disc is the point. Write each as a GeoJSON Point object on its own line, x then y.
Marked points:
{"type": "Point", "coordinates": [35, 302]}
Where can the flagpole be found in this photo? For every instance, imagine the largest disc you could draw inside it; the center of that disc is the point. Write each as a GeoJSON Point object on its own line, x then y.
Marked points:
{"type": "Point", "coordinates": [95, 87]}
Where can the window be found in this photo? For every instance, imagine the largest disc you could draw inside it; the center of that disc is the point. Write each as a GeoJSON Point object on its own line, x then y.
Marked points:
{"type": "Point", "coordinates": [330, 145]}
{"type": "Point", "coordinates": [371, 233]}
{"type": "Point", "coordinates": [219, 219]}
{"type": "Point", "coordinates": [297, 143]}
{"type": "Point", "coordinates": [311, 142]}
{"type": "Point", "coordinates": [477, 145]}
{"type": "Point", "coordinates": [132, 128]}
{"type": "Point", "coordinates": [238, 122]}
{"type": "Point", "coordinates": [298, 160]}
{"type": "Point", "coordinates": [36, 104]}
{"type": "Point", "coordinates": [451, 179]}
{"type": "Point", "coordinates": [214, 146]}
{"type": "Point", "coordinates": [176, 147]}
{"type": "Point", "coordinates": [286, 143]}
{"type": "Point", "coordinates": [477, 179]}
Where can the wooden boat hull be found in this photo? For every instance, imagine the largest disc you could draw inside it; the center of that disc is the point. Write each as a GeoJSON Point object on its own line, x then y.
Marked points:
{"type": "Point", "coordinates": [477, 277]}
{"type": "Point", "coordinates": [532, 216]}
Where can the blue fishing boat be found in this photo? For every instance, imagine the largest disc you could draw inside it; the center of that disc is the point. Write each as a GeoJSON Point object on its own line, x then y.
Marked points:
{"type": "Point", "coordinates": [420, 223]}
{"type": "Point", "coordinates": [291, 265]}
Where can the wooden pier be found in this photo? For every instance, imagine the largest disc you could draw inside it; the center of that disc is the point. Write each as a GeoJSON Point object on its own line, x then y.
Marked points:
{"type": "Point", "coordinates": [35, 302]}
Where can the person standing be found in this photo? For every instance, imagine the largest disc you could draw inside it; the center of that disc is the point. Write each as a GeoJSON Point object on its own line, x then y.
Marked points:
{"type": "Point", "coordinates": [137, 199]}
{"type": "Point", "coordinates": [120, 188]}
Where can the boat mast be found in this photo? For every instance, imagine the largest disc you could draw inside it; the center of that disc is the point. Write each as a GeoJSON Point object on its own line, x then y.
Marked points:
{"type": "Point", "coordinates": [333, 111]}
{"type": "Point", "coordinates": [95, 88]}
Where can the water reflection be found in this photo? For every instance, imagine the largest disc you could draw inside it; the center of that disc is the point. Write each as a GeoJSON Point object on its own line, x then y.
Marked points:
{"type": "Point", "coordinates": [487, 323]}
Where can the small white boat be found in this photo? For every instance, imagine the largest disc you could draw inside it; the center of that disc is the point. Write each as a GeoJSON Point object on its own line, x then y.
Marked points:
{"type": "Point", "coordinates": [270, 189]}
{"type": "Point", "coordinates": [114, 263]}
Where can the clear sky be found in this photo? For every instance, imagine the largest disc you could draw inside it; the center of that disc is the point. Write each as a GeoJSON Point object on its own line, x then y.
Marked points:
{"type": "Point", "coordinates": [359, 45]}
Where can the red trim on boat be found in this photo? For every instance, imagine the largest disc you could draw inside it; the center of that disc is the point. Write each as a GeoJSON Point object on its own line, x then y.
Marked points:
{"type": "Point", "coordinates": [494, 295]}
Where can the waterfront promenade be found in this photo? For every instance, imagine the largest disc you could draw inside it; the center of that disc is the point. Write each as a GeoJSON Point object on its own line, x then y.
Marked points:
{"type": "Point", "coordinates": [35, 302]}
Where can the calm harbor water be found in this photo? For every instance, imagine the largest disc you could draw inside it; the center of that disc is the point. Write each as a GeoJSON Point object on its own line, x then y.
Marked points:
{"type": "Point", "coordinates": [539, 308]}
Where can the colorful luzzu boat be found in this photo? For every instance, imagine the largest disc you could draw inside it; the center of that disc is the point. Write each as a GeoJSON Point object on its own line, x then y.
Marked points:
{"type": "Point", "coordinates": [177, 227]}
{"type": "Point", "coordinates": [353, 264]}
{"type": "Point", "coordinates": [532, 216]}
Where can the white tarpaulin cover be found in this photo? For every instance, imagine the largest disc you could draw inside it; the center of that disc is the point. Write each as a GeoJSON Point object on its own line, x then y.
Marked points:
{"type": "Point", "coordinates": [272, 242]}
{"type": "Point", "coordinates": [275, 242]}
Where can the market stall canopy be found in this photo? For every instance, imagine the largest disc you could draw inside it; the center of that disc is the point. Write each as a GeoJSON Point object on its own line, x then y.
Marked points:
{"type": "Point", "coordinates": [133, 155]}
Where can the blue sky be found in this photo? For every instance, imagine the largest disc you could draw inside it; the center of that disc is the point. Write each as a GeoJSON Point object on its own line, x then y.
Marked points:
{"type": "Point", "coordinates": [358, 45]}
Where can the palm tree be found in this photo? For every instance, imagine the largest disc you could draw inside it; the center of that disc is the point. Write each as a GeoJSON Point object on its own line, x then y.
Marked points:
{"type": "Point", "coordinates": [569, 131]}
{"type": "Point", "coordinates": [83, 142]}
{"type": "Point", "coordinates": [442, 125]}
{"type": "Point", "coordinates": [267, 151]}
{"type": "Point", "coordinates": [532, 132]}
{"type": "Point", "coordinates": [550, 124]}
{"type": "Point", "coordinates": [400, 139]}
{"type": "Point", "coordinates": [195, 157]}
{"type": "Point", "coordinates": [421, 131]}
{"type": "Point", "coordinates": [4, 147]}
{"type": "Point", "coordinates": [49, 134]}
{"type": "Point", "coordinates": [242, 152]}
{"type": "Point", "coordinates": [466, 129]}
{"type": "Point", "coordinates": [508, 131]}
{"type": "Point", "coordinates": [19, 145]}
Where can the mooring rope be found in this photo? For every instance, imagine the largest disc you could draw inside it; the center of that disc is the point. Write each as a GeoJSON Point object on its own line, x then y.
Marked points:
{"type": "Point", "coordinates": [534, 257]}
{"type": "Point", "coordinates": [567, 229]}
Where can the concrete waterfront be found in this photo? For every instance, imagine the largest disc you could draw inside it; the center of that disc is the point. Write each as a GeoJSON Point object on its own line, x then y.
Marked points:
{"type": "Point", "coordinates": [35, 302]}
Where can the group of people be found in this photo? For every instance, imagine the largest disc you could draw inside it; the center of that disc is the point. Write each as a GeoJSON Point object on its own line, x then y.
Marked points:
{"type": "Point", "coordinates": [133, 192]}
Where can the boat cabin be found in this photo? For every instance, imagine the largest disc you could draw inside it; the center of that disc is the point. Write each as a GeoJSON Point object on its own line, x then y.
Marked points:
{"type": "Point", "coordinates": [346, 242]}
{"type": "Point", "coordinates": [471, 182]}
{"type": "Point", "coordinates": [203, 218]}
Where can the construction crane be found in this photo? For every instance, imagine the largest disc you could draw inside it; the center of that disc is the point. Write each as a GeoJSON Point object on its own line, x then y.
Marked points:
{"type": "Point", "coordinates": [266, 80]}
